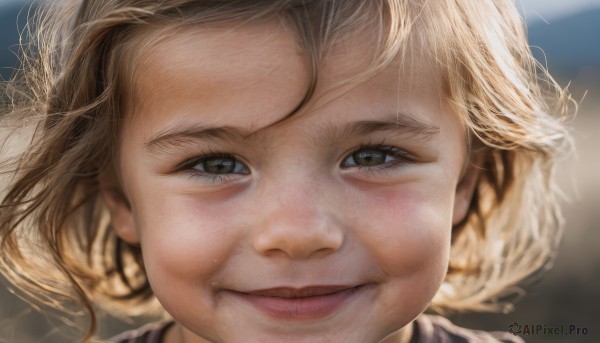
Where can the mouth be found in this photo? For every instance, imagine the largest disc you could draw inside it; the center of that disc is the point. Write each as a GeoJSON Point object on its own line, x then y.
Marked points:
{"type": "Point", "coordinates": [307, 303]}
{"type": "Point", "coordinates": [312, 291]}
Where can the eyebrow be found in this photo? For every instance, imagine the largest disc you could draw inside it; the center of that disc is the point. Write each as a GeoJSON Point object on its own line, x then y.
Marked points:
{"type": "Point", "coordinates": [400, 124]}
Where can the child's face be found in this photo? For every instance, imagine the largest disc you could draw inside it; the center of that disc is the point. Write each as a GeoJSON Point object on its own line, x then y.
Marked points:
{"type": "Point", "coordinates": [334, 225]}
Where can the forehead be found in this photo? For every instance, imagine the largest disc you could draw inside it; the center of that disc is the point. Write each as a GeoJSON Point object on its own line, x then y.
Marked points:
{"type": "Point", "coordinates": [199, 61]}
{"type": "Point", "coordinates": [214, 64]}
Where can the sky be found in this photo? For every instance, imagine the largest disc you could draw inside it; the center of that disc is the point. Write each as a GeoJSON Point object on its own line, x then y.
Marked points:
{"type": "Point", "coordinates": [534, 10]}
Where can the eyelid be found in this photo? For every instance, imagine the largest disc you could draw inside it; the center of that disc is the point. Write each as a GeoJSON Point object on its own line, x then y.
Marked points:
{"type": "Point", "coordinates": [191, 162]}
{"type": "Point", "coordinates": [186, 168]}
{"type": "Point", "coordinates": [388, 148]}
{"type": "Point", "coordinates": [204, 179]}
{"type": "Point", "coordinates": [402, 159]}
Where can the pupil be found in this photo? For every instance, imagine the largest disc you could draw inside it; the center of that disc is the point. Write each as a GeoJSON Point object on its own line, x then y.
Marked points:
{"type": "Point", "coordinates": [369, 157]}
{"type": "Point", "coordinates": [219, 165]}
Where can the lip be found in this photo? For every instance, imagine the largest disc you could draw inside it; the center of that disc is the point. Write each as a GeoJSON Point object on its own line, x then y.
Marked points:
{"type": "Point", "coordinates": [295, 304]}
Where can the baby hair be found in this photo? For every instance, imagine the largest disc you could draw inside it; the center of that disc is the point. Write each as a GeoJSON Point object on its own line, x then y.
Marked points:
{"type": "Point", "coordinates": [77, 86]}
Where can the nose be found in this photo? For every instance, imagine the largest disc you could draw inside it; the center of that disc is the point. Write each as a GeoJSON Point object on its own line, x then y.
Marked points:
{"type": "Point", "coordinates": [297, 226]}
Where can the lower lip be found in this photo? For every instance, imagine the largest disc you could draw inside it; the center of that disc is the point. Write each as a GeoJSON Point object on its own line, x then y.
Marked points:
{"type": "Point", "coordinates": [305, 308]}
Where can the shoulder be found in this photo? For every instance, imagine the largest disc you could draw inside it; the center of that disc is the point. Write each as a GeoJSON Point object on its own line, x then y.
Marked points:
{"type": "Point", "coordinates": [150, 333]}
{"type": "Point", "coordinates": [436, 329]}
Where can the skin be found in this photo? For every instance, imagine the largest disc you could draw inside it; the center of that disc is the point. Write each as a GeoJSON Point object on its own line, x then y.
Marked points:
{"type": "Point", "coordinates": [302, 212]}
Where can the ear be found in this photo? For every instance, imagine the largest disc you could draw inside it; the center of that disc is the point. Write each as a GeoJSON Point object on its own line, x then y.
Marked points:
{"type": "Point", "coordinates": [121, 216]}
{"type": "Point", "coordinates": [465, 188]}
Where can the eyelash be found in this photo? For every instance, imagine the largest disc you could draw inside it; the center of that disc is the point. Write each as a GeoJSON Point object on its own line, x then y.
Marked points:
{"type": "Point", "coordinates": [188, 168]}
{"type": "Point", "coordinates": [401, 160]}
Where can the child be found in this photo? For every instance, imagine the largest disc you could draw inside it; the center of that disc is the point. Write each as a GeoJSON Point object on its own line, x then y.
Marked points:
{"type": "Point", "coordinates": [281, 171]}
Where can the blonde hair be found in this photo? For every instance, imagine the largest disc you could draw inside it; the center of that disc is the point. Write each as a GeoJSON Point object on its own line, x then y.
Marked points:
{"type": "Point", "coordinates": [74, 90]}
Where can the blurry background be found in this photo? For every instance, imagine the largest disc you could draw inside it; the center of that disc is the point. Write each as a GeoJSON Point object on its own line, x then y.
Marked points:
{"type": "Point", "coordinates": [568, 33]}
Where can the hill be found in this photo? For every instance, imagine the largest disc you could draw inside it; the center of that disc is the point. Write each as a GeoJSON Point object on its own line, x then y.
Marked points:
{"type": "Point", "coordinates": [569, 43]}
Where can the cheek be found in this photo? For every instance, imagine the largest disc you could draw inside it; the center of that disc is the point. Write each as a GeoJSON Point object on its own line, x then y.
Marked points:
{"type": "Point", "coordinates": [407, 229]}
{"type": "Point", "coordinates": [184, 240]}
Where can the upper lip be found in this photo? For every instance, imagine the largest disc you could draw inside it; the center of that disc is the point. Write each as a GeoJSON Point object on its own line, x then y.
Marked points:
{"type": "Point", "coordinates": [291, 292]}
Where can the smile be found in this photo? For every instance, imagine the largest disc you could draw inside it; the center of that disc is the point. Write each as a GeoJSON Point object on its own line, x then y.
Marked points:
{"type": "Point", "coordinates": [308, 303]}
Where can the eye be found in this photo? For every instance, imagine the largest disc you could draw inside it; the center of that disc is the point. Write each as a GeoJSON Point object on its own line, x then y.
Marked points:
{"type": "Point", "coordinates": [368, 157]}
{"type": "Point", "coordinates": [214, 168]}
{"type": "Point", "coordinates": [377, 159]}
{"type": "Point", "coordinates": [220, 164]}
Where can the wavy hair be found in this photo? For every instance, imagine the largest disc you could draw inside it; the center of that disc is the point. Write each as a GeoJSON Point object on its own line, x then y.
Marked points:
{"type": "Point", "coordinates": [73, 91]}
